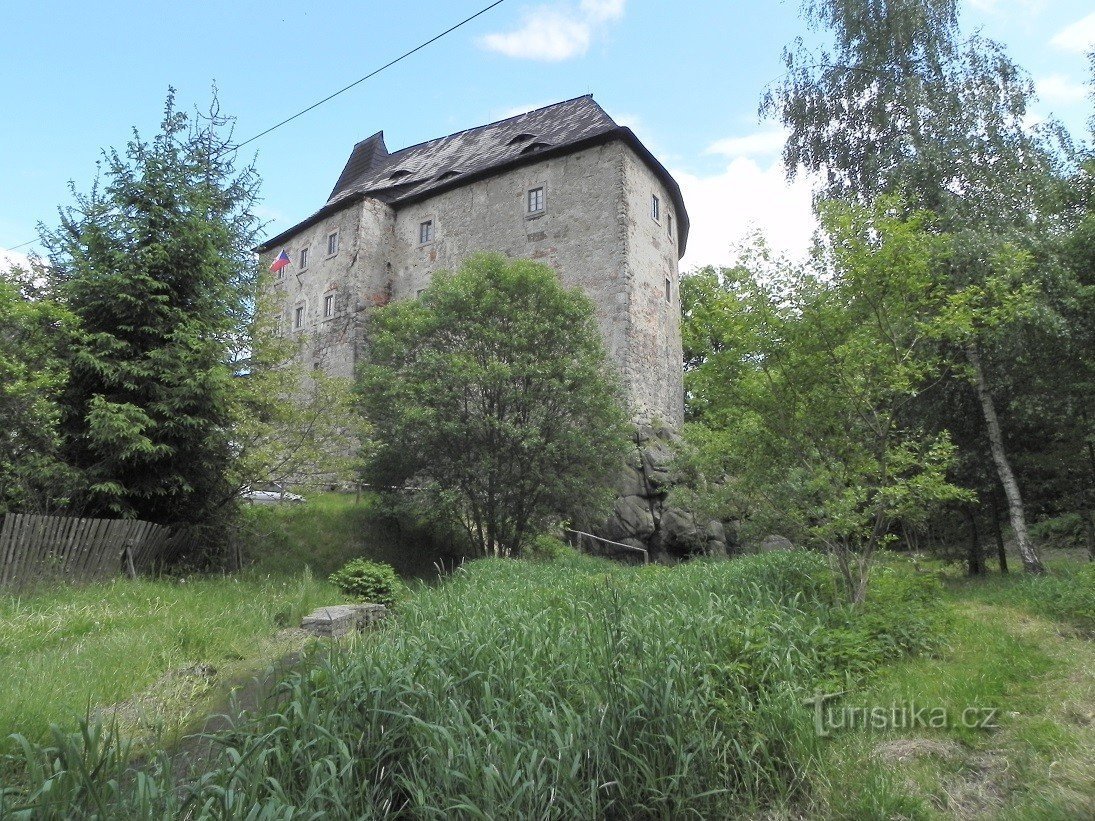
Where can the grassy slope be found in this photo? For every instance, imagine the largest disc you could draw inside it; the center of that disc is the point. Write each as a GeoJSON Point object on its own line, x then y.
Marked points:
{"type": "Point", "coordinates": [1019, 645]}
{"type": "Point", "coordinates": [329, 530]}
{"type": "Point", "coordinates": [67, 651]}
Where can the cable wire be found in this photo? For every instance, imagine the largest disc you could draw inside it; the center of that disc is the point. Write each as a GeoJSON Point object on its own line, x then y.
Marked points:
{"type": "Point", "coordinates": [371, 74]}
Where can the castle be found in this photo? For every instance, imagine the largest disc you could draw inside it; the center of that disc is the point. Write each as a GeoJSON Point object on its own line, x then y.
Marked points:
{"type": "Point", "coordinates": [563, 184]}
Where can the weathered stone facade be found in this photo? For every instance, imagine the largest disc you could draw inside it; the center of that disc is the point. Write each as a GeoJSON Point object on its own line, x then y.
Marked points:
{"type": "Point", "coordinates": [599, 228]}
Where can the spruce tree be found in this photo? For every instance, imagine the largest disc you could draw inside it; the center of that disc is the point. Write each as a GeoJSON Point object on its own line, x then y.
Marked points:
{"type": "Point", "coordinates": [155, 264]}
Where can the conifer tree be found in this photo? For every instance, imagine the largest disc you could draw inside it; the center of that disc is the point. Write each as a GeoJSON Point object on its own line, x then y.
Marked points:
{"type": "Point", "coordinates": [155, 264]}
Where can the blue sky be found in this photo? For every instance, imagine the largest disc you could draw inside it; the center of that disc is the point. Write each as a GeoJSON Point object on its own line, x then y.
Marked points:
{"type": "Point", "coordinates": [686, 75]}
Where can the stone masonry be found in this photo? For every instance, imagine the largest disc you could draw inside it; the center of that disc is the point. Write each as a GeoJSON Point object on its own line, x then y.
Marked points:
{"type": "Point", "coordinates": [612, 223]}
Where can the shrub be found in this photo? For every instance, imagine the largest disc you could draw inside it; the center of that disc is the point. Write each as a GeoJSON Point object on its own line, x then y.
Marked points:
{"type": "Point", "coordinates": [546, 548]}
{"type": "Point", "coordinates": [368, 581]}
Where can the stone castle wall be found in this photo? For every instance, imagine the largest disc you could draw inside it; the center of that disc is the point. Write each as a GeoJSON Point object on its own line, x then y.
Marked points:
{"type": "Point", "coordinates": [597, 231]}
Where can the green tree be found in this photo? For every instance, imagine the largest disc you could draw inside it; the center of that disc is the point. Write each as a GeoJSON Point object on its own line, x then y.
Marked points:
{"type": "Point", "coordinates": [801, 379]}
{"type": "Point", "coordinates": [34, 330]}
{"type": "Point", "coordinates": [155, 262]}
{"type": "Point", "coordinates": [904, 105]}
{"type": "Point", "coordinates": [291, 424]}
{"type": "Point", "coordinates": [492, 391]}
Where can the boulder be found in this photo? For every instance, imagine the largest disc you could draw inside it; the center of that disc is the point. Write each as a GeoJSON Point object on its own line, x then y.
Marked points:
{"type": "Point", "coordinates": [630, 519]}
{"type": "Point", "coordinates": [773, 542]}
{"type": "Point", "coordinates": [715, 535]}
{"type": "Point", "coordinates": [337, 620]}
{"type": "Point", "coordinates": [657, 456]}
{"type": "Point", "coordinates": [679, 534]}
{"type": "Point", "coordinates": [631, 481]}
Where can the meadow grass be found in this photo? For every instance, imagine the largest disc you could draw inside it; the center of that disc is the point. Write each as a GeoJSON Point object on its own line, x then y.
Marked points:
{"type": "Point", "coordinates": [566, 689]}
{"type": "Point", "coordinates": [329, 530]}
{"type": "Point", "coordinates": [67, 651]}
{"type": "Point", "coordinates": [1037, 761]}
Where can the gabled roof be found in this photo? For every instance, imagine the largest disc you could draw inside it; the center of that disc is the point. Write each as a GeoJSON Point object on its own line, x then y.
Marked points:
{"type": "Point", "coordinates": [420, 171]}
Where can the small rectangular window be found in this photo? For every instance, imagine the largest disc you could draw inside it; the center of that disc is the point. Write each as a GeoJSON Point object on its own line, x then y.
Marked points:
{"type": "Point", "coordinates": [425, 232]}
{"type": "Point", "coordinates": [332, 244]}
{"type": "Point", "coordinates": [536, 200]}
{"type": "Point", "coordinates": [656, 209]}
{"type": "Point", "coordinates": [669, 224]}
{"type": "Point", "coordinates": [298, 317]}
{"type": "Point", "coordinates": [668, 289]}
{"type": "Point", "coordinates": [303, 258]}
{"type": "Point", "coordinates": [329, 305]}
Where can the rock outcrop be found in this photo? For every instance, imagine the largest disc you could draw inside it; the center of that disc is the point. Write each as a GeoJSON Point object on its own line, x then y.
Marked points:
{"type": "Point", "coordinates": [644, 514]}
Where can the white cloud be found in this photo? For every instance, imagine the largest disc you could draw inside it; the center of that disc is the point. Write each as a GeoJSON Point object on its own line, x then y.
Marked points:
{"type": "Point", "coordinates": [1060, 89]}
{"type": "Point", "coordinates": [1078, 37]}
{"type": "Point", "coordinates": [761, 144]}
{"type": "Point", "coordinates": [599, 11]}
{"type": "Point", "coordinates": [726, 208]}
{"type": "Point", "coordinates": [555, 32]}
{"type": "Point", "coordinates": [506, 113]}
{"type": "Point", "coordinates": [10, 259]}
{"type": "Point", "coordinates": [993, 6]}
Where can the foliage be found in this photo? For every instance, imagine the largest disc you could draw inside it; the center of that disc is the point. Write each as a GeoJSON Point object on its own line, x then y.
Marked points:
{"type": "Point", "coordinates": [492, 392]}
{"type": "Point", "coordinates": [291, 424]}
{"type": "Point", "coordinates": [801, 379]}
{"type": "Point", "coordinates": [547, 548]}
{"type": "Point", "coordinates": [33, 343]}
{"type": "Point", "coordinates": [328, 530]}
{"type": "Point", "coordinates": [572, 689]}
{"type": "Point", "coordinates": [368, 581]}
{"type": "Point", "coordinates": [903, 105]}
{"type": "Point", "coordinates": [155, 263]}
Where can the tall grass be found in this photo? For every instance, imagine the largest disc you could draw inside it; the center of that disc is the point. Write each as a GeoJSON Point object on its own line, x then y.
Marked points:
{"type": "Point", "coordinates": [538, 690]}
{"type": "Point", "coordinates": [329, 530]}
{"type": "Point", "coordinates": [1067, 593]}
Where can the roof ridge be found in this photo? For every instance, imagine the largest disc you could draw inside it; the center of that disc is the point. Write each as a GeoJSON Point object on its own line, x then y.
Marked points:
{"type": "Point", "coordinates": [399, 151]}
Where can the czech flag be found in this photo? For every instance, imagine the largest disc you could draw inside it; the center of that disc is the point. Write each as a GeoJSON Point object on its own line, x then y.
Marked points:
{"type": "Point", "coordinates": [280, 262]}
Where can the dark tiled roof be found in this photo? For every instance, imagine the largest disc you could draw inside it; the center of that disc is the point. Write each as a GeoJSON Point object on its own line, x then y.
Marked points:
{"type": "Point", "coordinates": [413, 172]}
{"type": "Point", "coordinates": [420, 171]}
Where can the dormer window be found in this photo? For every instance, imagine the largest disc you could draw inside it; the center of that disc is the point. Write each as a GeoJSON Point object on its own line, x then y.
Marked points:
{"type": "Point", "coordinates": [447, 175]}
{"type": "Point", "coordinates": [398, 175]}
{"type": "Point", "coordinates": [534, 147]}
{"type": "Point", "coordinates": [522, 138]}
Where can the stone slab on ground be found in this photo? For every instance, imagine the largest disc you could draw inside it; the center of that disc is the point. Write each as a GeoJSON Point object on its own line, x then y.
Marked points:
{"type": "Point", "coordinates": [338, 620]}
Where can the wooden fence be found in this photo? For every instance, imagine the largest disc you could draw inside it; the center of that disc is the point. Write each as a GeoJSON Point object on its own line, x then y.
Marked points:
{"type": "Point", "coordinates": [38, 548]}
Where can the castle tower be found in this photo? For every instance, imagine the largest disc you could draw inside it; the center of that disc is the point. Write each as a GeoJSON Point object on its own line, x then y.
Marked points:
{"type": "Point", "coordinates": [564, 185]}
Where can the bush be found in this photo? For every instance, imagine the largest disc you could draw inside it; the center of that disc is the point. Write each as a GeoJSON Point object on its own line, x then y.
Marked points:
{"type": "Point", "coordinates": [546, 548]}
{"type": "Point", "coordinates": [1066, 530]}
{"type": "Point", "coordinates": [368, 581]}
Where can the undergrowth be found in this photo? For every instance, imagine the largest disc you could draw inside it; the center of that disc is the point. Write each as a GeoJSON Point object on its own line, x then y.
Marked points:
{"type": "Point", "coordinates": [1066, 593]}
{"type": "Point", "coordinates": [563, 689]}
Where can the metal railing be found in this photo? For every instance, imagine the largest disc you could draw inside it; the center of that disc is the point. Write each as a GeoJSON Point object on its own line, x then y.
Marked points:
{"type": "Point", "coordinates": [643, 550]}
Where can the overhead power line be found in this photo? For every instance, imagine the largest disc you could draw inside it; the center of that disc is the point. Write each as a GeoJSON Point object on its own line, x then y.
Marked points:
{"type": "Point", "coordinates": [371, 74]}
{"type": "Point", "coordinates": [357, 82]}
